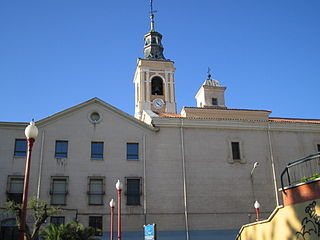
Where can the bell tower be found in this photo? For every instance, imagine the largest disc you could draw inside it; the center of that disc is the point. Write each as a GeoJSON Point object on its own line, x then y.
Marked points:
{"type": "Point", "coordinates": [154, 76]}
{"type": "Point", "coordinates": [211, 94]}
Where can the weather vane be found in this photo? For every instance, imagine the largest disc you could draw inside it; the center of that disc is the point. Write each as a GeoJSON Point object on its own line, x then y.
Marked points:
{"type": "Point", "coordinates": [152, 15]}
{"type": "Point", "coordinates": [209, 73]}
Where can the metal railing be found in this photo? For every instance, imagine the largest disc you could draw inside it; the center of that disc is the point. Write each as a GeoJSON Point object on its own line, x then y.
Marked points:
{"type": "Point", "coordinates": [301, 170]}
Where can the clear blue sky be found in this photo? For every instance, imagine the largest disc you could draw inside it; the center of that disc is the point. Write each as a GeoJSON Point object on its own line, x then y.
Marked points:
{"type": "Point", "coordinates": [56, 54]}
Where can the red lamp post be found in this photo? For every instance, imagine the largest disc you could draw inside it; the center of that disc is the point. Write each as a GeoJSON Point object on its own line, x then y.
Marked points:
{"type": "Point", "coordinates": [119, 189]}
{"type": "Point", "coordinates": [257, 207]}
{"type": "Point", "coordinates": [31, 133]}
{"type": "Point", "coordinates": [111, 204]}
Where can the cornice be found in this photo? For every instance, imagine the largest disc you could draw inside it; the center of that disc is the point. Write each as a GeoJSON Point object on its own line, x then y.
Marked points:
{"type": "Point", "coordinates": [14, 124]}
{"type": "Point", "coordinates": [234, 125]}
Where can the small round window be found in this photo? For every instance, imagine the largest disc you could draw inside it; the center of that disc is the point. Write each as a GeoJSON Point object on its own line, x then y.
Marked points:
{"type": "Point", "coordinates": [95, 117]}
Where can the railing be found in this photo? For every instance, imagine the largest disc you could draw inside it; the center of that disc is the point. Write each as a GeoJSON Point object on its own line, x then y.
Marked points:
{"type": "Point", "coordinates": [301, 170]}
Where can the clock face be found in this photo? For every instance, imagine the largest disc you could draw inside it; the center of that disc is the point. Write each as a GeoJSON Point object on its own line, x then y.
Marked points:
{"type": "Point", "coordinates": [158, 103]}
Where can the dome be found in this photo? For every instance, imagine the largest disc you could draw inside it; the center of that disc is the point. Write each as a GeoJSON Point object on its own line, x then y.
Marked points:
{"type": "Point", "coordinates": [211, 82]}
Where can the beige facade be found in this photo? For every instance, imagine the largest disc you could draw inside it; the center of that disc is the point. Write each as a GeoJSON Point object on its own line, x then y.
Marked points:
{"type": "Point", "coordinates": [189, 179]}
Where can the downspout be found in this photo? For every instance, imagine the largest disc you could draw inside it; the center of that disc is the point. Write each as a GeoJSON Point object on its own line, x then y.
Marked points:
{"type": "Point", "coordinates": [144, 180]}
{"type": "Point", "coordinates": [184, 181]}
{"type": "Point", "coordinates": [40, 167]}
{"type": "Point", "coordinates": [273, 166]}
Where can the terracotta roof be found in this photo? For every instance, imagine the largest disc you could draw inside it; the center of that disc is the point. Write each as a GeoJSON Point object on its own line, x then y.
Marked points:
{"type": "Point", "coordinates": [294, 120]}
{"type": "Point", "coordinates": [170, 115]}
{"type": "Point", "coordinates": [228, 109]}
{"type": "Point", "coordinates": [271, 119]}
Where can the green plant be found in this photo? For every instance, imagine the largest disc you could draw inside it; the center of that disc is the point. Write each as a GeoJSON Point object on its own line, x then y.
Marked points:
{"type": "Point", "coordinates": [40, 212]}
{"type": "Point", "coordinates": [69, 231]}
{"type": "Point", "coordinates": [314, 176]}
{"type": "Point", "coordinates": [304, 179]}
{"type": "Point", "coordinates": [54, 232]}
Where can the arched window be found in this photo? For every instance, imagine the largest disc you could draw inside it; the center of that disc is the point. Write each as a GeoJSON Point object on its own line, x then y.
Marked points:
{"type": "Point", "coordinates": [154, 40]}
{"type": "Point", "coordinates": [157, 86]}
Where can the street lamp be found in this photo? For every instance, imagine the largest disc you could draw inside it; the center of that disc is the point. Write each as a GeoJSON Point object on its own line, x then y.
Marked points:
{"type": "Point", "coordinates": [111, 204]}
{"type": "Point", "coordinates": [31, 133]}
{"type": "Point", "coordinates": [257, 207]}
{"type": "Point", "coordinates": [255, 165]}
{"type": "Point", "coordinates": [119, 189]}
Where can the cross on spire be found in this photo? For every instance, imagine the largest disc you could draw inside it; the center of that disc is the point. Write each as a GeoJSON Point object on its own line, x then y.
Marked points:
{"type": "Point", "coordinates": [209, 73]}
{"type": "Point", "coordinates": [152, 15]}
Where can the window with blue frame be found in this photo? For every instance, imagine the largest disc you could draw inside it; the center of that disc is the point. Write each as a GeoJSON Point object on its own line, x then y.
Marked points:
{"type": "Point", "coordinates": [132, 151]}
{"type": "Point", "coordinates": [20, 148]}
{"type": "Point", "coordinates": [61, 149]}
{"type": "Point", "coordinates": [96, 150]}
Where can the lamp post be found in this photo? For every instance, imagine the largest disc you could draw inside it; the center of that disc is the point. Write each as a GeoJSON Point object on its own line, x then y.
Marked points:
{"type": "Point", "coordinates": [255, 165]}
{"type": "Point", "coordinates": [111, 204]}
{"type": "Point", "coordinates": [119, 189]}
{"type": "Point", "coordinates": [31, 133]}
{"type": "Point", "coordinates": [257, 207]}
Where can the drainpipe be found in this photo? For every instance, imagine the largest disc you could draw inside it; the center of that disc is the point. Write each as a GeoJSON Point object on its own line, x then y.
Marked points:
{"type": "Point", "coordinates": [184, 181]}
{"type": "Point", "coordinates": [273, 166]}
{"type": "Point", "coordinates": [145, 181]}
{"type": "Point", "coordinates": [40, 166]}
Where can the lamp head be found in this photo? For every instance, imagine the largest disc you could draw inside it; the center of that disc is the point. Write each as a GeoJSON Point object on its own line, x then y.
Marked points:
{"type": "Point", "coordinates": [31, 130]}
{"type": "Point", "coordinates": [111, 204]}
{"type": "Point", "coordinates": [256, 164]}
{"type": "Point", "coordinates": [119, 185]}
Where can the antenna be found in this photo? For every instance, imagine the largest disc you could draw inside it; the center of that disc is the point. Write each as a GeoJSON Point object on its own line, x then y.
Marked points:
{"type": "Point", "coordinates": [152, 15]}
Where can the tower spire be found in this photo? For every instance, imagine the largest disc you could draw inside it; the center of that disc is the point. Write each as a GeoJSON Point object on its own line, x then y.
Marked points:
{"type": "Point", "coordinates": [152, 16]}
{"type": "Point", "coordinates": [153, 48]}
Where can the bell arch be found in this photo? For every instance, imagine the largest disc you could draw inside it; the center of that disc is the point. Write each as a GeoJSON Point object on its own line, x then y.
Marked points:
{"type": "Point", "coordinates": [157, 86]}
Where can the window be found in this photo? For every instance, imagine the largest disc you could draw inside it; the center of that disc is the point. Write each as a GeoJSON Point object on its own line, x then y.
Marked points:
{"type": "Point", "coordinates": [57, 220]}
{"type": "Point", "coordinates": [235, 150]}
{"type": "Point", "coordinates": [97, 150]}
{"type": "Point", "coordinates": [58, 191]}
{"type": "Point", "coordinates": [133, 191]}
{"type": "Point", "coordinates": [95, 117]}
{"type": "Point", "coordinates": [20, 147]}
{"type": "Point", "coordinates": [214, 101]}
{"type": "Point", "coordinates": [132, 151]}
{"type": "Point", "coordinates": [15, 188]}
{"type": "Point", "coordinates": [61, 149]}
{"type": "Point", "coordinates": [154, 40]}
{"type": "Point", "coordinates": [157, 86]}
{"type": "Point", "coordinates": [96, 223]}
{"type": "Point", "coordinates": [96, 191]}
{"type": "Point", "coordinates": [318, 146]}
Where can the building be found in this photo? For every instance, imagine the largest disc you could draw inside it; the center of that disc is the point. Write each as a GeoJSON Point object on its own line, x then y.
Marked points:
{"type": "Point", "coordinates": [190, 173]}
